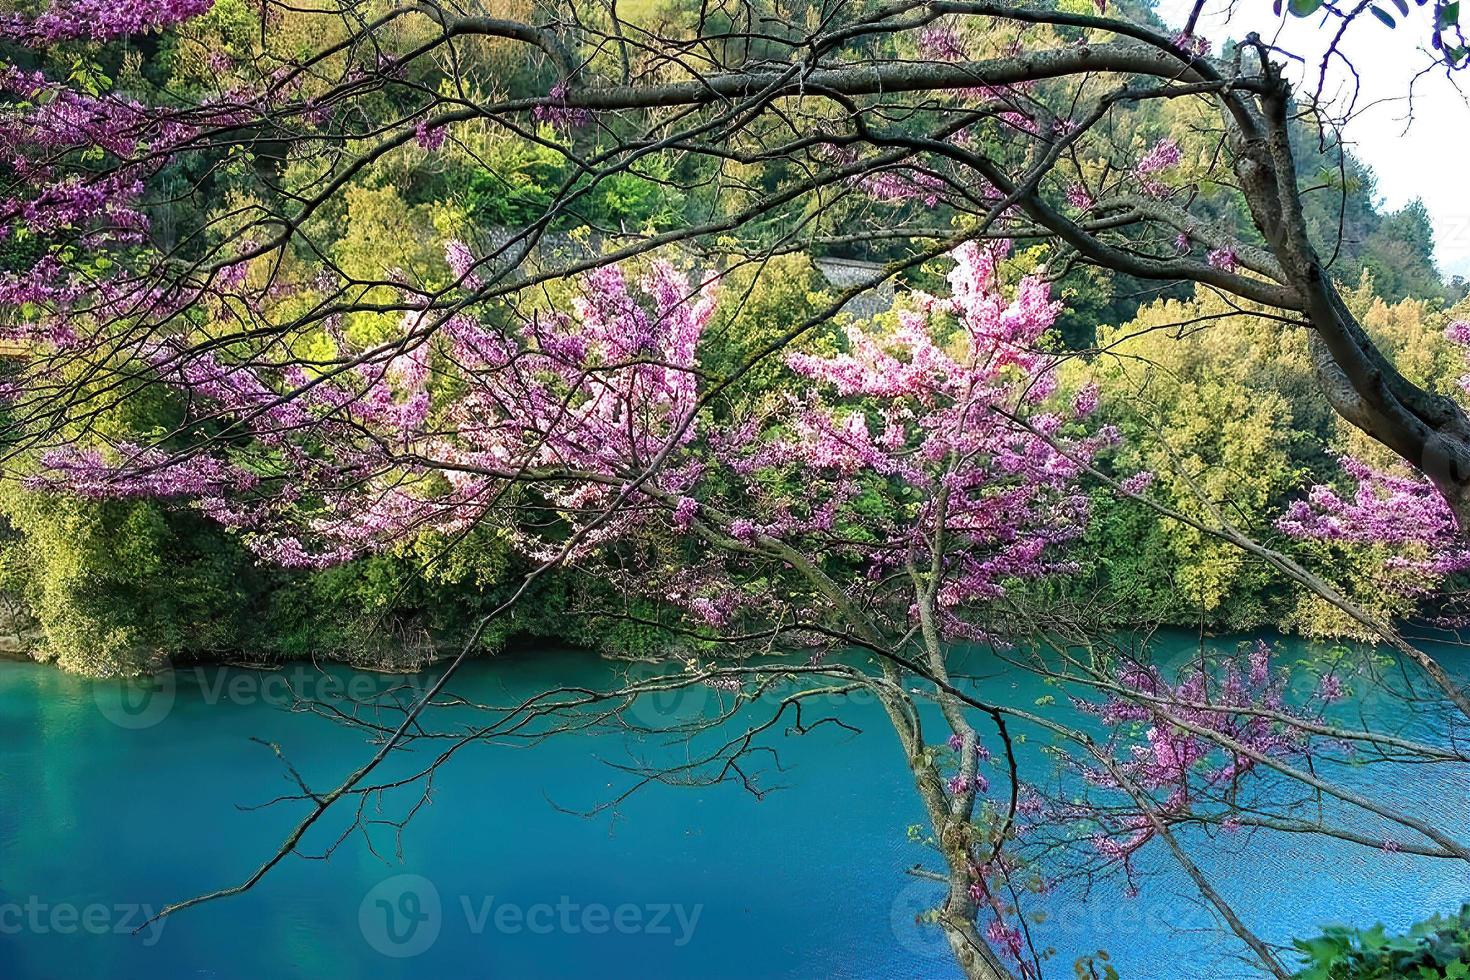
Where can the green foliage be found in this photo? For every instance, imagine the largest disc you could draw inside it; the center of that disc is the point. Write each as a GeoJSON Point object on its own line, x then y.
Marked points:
{"type": "Point", "coordinates": [635, 202]}
{"type": "Point", "coordinates": [1398, 255]}
{"type": "Point", "coordinates": [1219, 408]}
{"type": "Point", "coordinates": [1094, 967]}
{"type": "Point", "coordinates": [512, 183]}
{"type": "Point", "coordinates": [1223, 408]}
{"type": "Point", "coordinates": [515, 184]}
{"type": "Point", "coordinates": [762, 303]}
{"type": "Point", "coordinates": [1437, 948]}
{"type": "Point", "coordinates": [120, 587]}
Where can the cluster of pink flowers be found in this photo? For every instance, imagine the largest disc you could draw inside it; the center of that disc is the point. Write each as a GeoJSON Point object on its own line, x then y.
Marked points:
{"type": "Point", "coordinates": [78, 215]}
{"type": "Point", "coordinates": [139, 472]}
{"type": "Point", "coordinates": [558, 114]}
{"type": "Point", "coordinates": [98, 20]}
{"type": "Point", "coordinates": [429, 137]}
{"type": "Point", "coordinates": [1458, 333]}
{"type": "Point", "coordinates": [1188, 744]}
{"type": "Point", "coordinates": [1137, 482]}
{"type": "Point", "coordinates": [462, 263]}
{"type": "Point", "coordinates": [902, 414]}
{"type": "Point", "coordinates": [1223, 259]}
{"type": "Point", "coordinates": [900, 184]}
{"type": "Point", "coordinates": [1405, 513]}
{"type": "Point", "coordinates": [940, 42]}
{"type": "Point", "coordinates": [1163, 155]}
{"type": "Point", "coordinates": [1192, 44]}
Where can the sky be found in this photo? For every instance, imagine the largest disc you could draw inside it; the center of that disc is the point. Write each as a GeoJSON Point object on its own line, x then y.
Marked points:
{"type": "Point", "coordinates": [1426, 156]}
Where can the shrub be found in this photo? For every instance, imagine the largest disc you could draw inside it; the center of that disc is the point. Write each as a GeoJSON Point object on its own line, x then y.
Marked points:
{"type": "Point", "coordinates": [1436, 947]}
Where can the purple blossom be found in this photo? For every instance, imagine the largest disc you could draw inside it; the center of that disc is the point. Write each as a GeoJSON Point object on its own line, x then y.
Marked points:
{"type": "Point", "coordinates": [1224, 259]}
{"type": "Point", "coordinates": [1191, 44]}
{"type": "Point", "coordinates": [558, 114]}
{"type": "Point", "coordinates": [1138, 482]}
{"type": "Point", "coordinates": [684, 513]}
{"type": "Point", "coordinates": [462, 262]}
{"type": "Point", "coordinates": [940, 42]}
{"type": "Point", "coordinates": [98, 20]}
{"type": "Point", "coordinates": [429, 137]}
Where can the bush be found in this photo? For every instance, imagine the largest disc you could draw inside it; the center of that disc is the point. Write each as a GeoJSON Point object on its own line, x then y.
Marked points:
{"type": "Point", "coordinates": [120, 587]}
{"type": "Point", "coordinates": [1437, 947]}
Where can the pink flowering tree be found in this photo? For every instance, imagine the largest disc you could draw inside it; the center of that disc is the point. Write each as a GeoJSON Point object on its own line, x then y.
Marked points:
{"type": "Point", "coordinates": [888, 499]}
{"type": "Point", "coordinates": [1028, 153]}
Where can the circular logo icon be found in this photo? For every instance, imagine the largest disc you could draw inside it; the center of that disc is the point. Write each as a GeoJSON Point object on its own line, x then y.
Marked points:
{"type": "Point", "coordinates": [663, 700]}
{"type": "Point", "coordinates": [912, 920]}
{"type": "Point", "coordinates": [136, 702]}
{"type": "Point", "coordinates": [401, 916]}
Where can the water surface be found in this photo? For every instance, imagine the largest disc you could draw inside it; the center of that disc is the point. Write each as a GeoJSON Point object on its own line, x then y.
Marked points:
{"type": "Point", "coordinates": [108, 811]}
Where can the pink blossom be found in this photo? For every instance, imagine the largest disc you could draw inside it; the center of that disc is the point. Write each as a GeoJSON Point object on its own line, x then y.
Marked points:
{"type": "Point", "coordinates": [685, 512]}
{"type": "Point", "coordinates": [940, 42]}
{"type": "Point", "coordinates": [558, 114]}
{"type": "Point", "coordinates": [1085, 402]}
{"type": "Point", "coordinates": [98, 20]}
{"type": "Point", "coordinates": [1224, 259]}
{"type": "Point", "coordinates": [1138, 482]}
{"type": "Point", "coordinates": [461, 262]}
{"type": "Point", "coordinates": [429, 137]}
{"type": "Point", "coordinates": [1192, 44]}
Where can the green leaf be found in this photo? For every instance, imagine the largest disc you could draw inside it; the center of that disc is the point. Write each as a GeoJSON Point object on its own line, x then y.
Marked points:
{"type": "Point", "coordinates": [1383, 15]}
{"type": "Point", "coordinates": [1303, 8]}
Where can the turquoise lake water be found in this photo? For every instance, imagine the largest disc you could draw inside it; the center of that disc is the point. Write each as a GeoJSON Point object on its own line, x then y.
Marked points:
{"type": "Point", "coordinates": [111, 808]}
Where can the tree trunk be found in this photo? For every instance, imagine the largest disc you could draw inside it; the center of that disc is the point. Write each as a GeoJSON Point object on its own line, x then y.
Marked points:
{"type": "Point", "coordinates": [1428, 430]}
{"type": "Point", "coordinates": [973, 954]}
